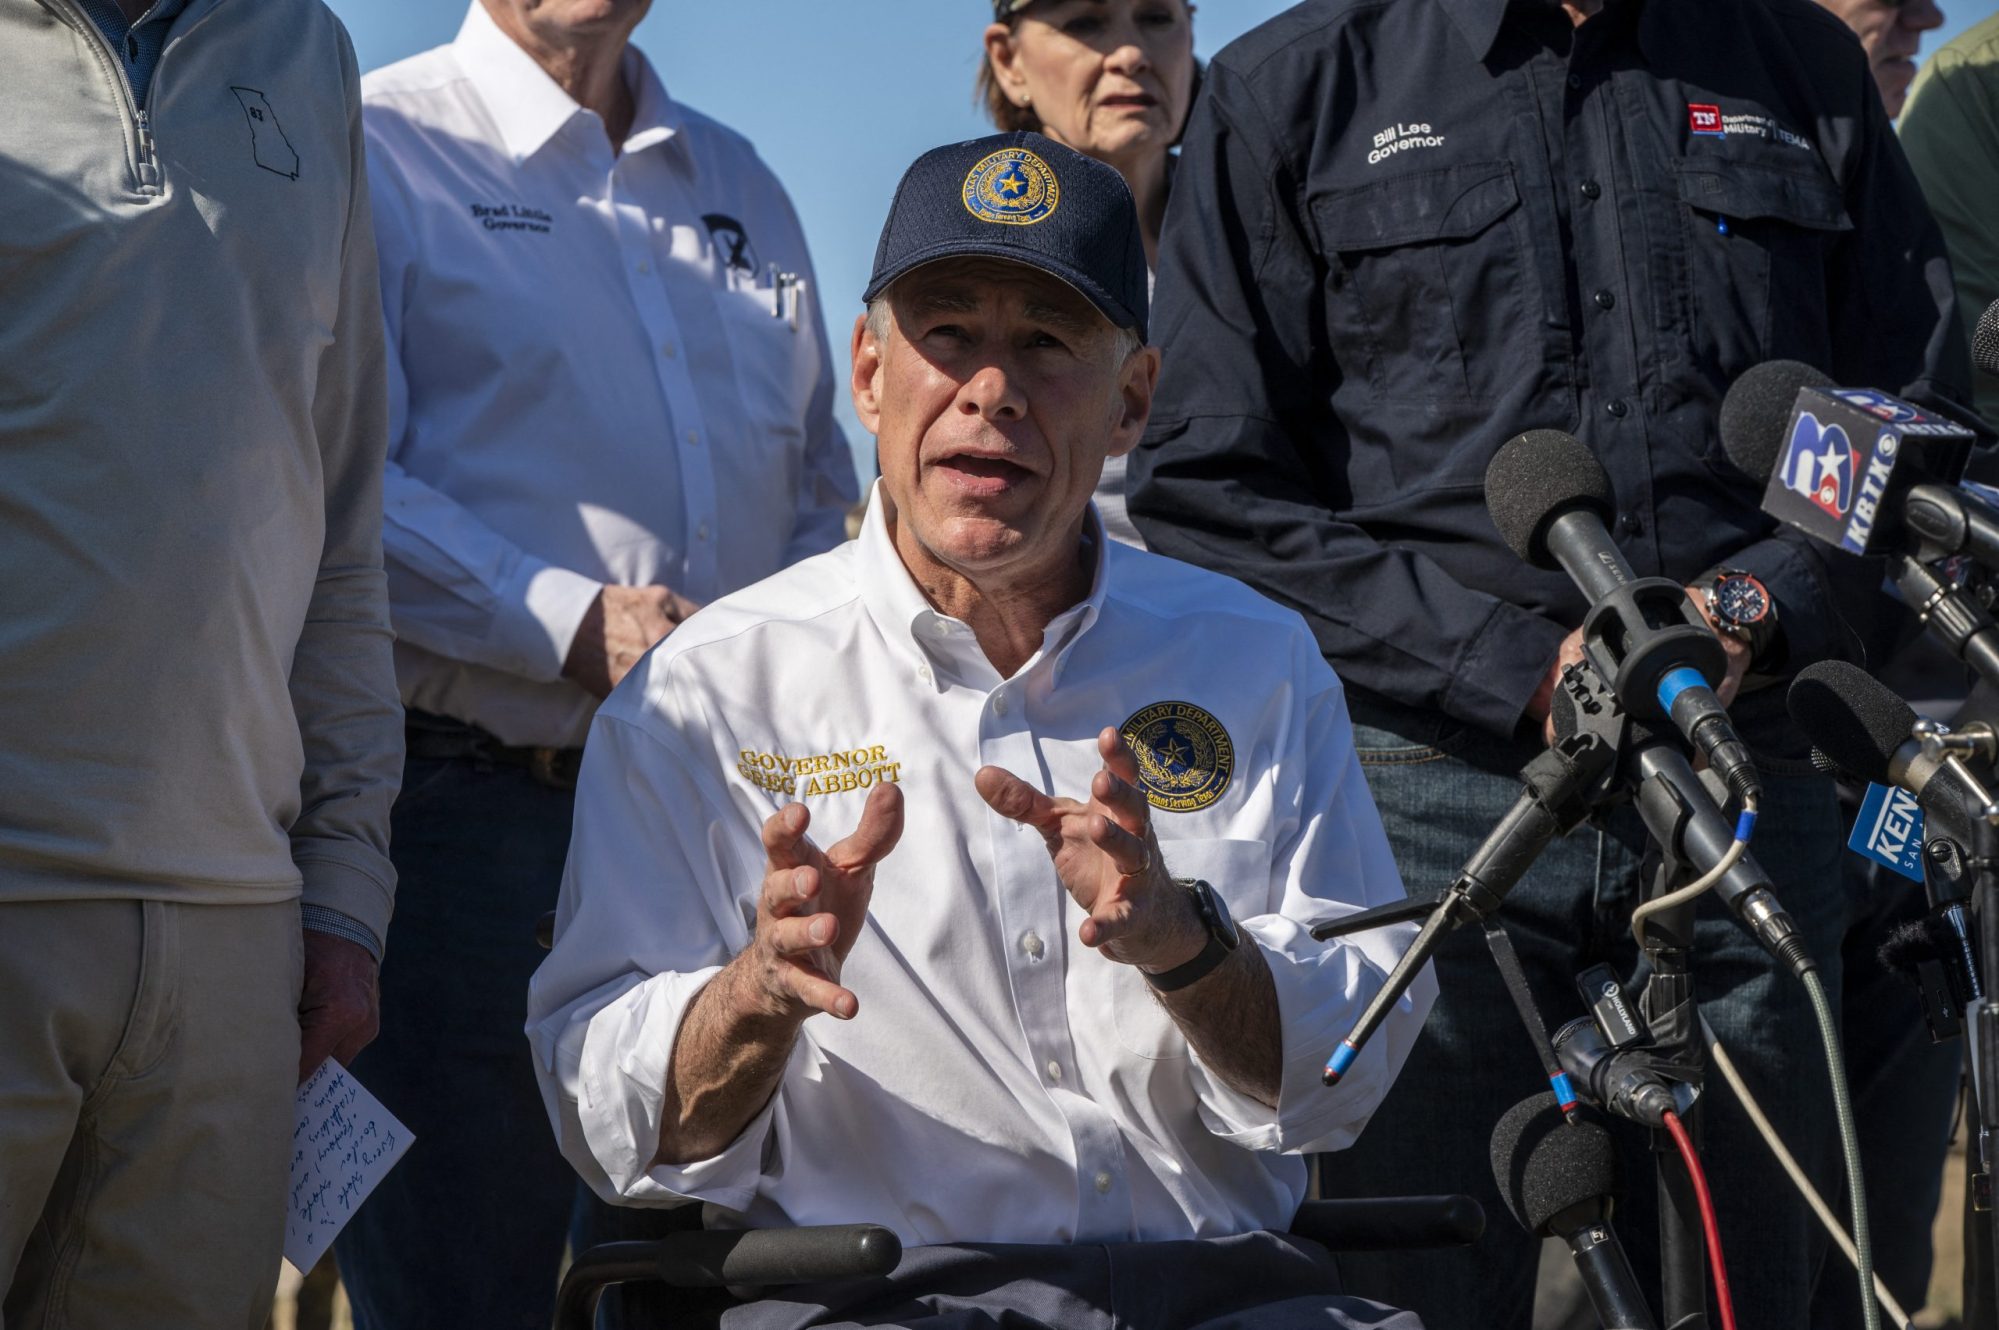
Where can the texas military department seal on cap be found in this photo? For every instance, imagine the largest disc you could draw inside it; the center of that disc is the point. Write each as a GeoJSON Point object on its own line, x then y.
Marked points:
{"type": "Point", "coordinates": [1012, 187]}
{"type": "Point", "coordinates": [1185, 757]}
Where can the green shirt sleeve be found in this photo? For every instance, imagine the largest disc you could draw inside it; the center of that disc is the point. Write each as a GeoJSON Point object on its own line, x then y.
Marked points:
{"type": "Point", "coordinates": [1950, 131]}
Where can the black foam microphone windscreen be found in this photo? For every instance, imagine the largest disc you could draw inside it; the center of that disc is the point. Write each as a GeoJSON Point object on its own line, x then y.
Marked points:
{"type": "Point", "coordinates": [1535, 478]}
{"type": "Point", "coordinates": [1545, 1165]}
{"type": "Point", "coordinates": [1851, 717]}
{"type": "Point", "coordinates": [1756, 413]}
{"type": "Point", "coordinates": [1985, 340]}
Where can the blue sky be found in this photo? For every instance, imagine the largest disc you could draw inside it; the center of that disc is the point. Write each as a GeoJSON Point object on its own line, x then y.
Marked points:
{"type": "Point", "coordinates": [838, 95]}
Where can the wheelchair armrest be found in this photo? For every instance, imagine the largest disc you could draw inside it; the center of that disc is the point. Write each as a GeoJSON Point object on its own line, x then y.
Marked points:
{"type": "Point", "coordinates": [1391, 1223]}
{"type": "Point", "coordinates": [759, 1257]}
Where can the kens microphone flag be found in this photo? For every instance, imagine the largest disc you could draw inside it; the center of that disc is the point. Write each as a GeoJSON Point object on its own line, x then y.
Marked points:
{"type": "Point", "coordinates": [1849, 456]}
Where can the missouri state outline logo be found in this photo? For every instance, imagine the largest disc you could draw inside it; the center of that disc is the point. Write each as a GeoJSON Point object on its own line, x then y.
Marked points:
{"type": "Point", "coordinates": [1013, 187]}
{"type": "Point", "coordinates": [1185, 758]}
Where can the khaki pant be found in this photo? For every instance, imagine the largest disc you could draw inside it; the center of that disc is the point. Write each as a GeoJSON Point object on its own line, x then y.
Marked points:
{"type": "Point", "coordinates": [148, 1062]}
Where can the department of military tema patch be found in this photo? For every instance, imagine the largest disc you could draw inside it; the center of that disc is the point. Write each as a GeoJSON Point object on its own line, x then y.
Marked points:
{"type": "Point", "coordinates": [1012, 187]}
{"type": "Point", "coordinates": [1185, 757]}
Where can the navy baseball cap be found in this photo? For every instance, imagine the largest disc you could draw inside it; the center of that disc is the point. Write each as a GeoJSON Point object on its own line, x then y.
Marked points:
{"type": "Point", "coordinates": [1024, 198]}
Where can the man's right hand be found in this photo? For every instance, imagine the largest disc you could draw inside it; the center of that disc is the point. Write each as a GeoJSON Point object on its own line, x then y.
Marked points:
{"type": "Point", "coordinates": [812, 908]}
{"type": "Point", "coordinates": [621, 625]}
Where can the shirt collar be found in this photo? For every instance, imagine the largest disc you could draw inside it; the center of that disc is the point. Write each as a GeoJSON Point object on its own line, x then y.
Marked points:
{"type": "Point", "coordinates": [1478, 21]}
{"type": "Point", "coordinates": [911, 624]}
{"type": "Point", "coordinates": [529, 108]}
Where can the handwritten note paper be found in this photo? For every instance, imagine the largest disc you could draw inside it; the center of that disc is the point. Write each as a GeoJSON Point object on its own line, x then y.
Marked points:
{"type": "Point", "coordinates": [343, 1141]}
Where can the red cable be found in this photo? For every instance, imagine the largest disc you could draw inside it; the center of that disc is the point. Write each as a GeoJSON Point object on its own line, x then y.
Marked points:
{"type": "Point", "coordinates": [1708, 1225]}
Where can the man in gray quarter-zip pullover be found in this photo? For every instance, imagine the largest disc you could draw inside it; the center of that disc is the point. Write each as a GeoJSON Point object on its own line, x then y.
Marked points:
{"type": "Point", "coordinates": [199, 732]}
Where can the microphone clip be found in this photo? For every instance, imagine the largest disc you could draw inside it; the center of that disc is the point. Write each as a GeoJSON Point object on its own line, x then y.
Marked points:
{"type": "Point", "coordinates": [1976, 741]}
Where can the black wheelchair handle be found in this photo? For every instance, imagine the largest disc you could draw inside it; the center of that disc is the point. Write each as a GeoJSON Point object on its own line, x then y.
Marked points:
{"type": "Point", "coordinates": [1391, 1223]}
{"type": "Point", "coordinates": [754, 1257]}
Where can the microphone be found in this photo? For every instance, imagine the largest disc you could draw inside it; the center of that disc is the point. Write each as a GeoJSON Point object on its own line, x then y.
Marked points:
{"type": "Point", "coordinates": [1560, 1179]}
{"type": "Point", "coordinates": [1630, 1082]}
{"type": "Point", "coordinates": [1785, 423]}
{"type": "Point", "coordinates": [1936, 954]}
{"type": "Point", "coordinates": [1551, 501]}
{"type": "Point", "coordinates": [1839, 463]}
{"type": "Point", "coordinates": [1985, 340]}
{"type": "Point", "coordinates": [1867, 731]}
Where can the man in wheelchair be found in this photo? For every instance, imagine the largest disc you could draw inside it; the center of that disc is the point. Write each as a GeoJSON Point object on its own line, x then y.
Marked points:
{"type": "Point", "coordinates": [959, 880]}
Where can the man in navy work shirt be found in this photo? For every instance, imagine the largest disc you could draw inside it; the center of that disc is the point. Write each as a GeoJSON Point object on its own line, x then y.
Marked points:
{"type": "Point", "coordinates": [1403, 232]}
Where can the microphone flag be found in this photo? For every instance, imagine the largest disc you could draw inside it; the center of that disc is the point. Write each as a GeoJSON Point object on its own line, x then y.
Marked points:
{"type": "Point", "coordinates": [1850, 455]}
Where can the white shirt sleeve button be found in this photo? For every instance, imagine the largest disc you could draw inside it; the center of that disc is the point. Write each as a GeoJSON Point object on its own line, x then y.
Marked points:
{"type": "Point", "coordinates": [1031, 943]}
{"type": "Point", "coordinates": [1103, 1181]}
{"type": "Point", "coordinates": [1054, 1071]}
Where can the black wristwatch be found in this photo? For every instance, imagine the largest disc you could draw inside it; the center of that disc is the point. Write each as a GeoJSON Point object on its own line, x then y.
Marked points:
{"type": "Point", "coordinates": [1740, 605]}
{"type": "Point", "coordinates": [1222, 938]}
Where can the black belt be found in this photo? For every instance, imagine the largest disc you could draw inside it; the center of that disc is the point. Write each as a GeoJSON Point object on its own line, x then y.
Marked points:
{"type": "Point", "coordinates": [442, 739]}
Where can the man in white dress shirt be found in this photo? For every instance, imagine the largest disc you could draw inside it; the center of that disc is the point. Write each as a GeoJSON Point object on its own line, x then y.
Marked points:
{"type": "Point", "coordinates": [610, 402]}
{"type": "Point", "coordinates": [1050, 982]}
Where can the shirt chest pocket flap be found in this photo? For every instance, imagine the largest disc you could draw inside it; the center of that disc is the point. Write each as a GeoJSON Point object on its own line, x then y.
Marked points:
{"type": "Point", "coordinates": [1239, 871]}
{"type": "Point", "coordinates": [1430, 285]}
{"type": "Point", "coordinates": [1759, 239]}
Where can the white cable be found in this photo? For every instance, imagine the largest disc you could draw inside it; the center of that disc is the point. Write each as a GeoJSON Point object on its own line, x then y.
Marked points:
{"type": "Point", "coordinates": [1784, 1157]}
{"type": "Point", "coordinates": [1698, 887]}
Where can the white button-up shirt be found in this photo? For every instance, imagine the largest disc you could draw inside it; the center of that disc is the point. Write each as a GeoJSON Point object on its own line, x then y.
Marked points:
{"type": "Point", "coordinates": [1001, 1081]}
{"type": "Point", "coordinates": [604, 367]}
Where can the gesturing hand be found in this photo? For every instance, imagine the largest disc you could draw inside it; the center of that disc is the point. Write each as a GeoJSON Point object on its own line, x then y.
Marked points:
{"type": "Point", "coordinates": [1108, 858]}
{"type": "Point", "coordinates": [813, 905]}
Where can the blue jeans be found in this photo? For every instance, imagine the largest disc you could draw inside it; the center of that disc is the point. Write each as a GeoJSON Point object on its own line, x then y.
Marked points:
{"type": "Point", "coordinates": [1440, 789]}
{"type": "Point", "coordinates": [469, 1229]}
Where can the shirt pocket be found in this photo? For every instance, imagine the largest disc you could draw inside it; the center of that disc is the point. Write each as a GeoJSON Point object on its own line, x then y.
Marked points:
{"type": "Point", "coordinates": [1758, 241]}
{"type": "Point", "coordinates": [776, 364]}
{"type": "Point", "coordinates": [1430, 283]}
{"type": "Point", "coordinates": [1239, 871]}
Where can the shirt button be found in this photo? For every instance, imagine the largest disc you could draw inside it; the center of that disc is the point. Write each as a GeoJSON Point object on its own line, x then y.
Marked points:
{"type": "Point", "coordinates": [1103, 1182]}
{"type": "Point", "coordinates": [1632, 526]}
{"type": "Point", "coordinates": [645, 265]}
{"type": "Point", "coordinates": [1605, 300]}
{"type": "Point", "coordinates": [1031, 943]}
{"type": "Point", "coordinates": [1054, 1071]}
{"type": "Point", "coordinates": [694, 438]}
{"type": "Point", "coordinates": [669, 350]}
{"type": "Point", "coordinates": [1590, 189]}
{"type": "Point", "coordinates": [923, 673]}
{"type": "Point", "coordinates": [701, 532]}
{"type": "Point", "coordinates": [1575, 81]}
{"type": "Point", "coordinates": [999, 704]}
{"type": "Point", "coordinates": [1616, 408]}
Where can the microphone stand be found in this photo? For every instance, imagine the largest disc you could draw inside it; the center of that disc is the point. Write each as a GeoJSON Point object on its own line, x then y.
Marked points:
{"type": "Point", "coordinates": [1605, 760]}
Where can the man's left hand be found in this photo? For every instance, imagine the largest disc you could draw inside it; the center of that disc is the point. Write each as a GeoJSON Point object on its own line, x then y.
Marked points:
{"type": "Point", "coordinates": [1737, 649]}
{"type": "Point", "coordinates": [1108, 858]}
{"type": "Point", "coordinates": [338, 1009]}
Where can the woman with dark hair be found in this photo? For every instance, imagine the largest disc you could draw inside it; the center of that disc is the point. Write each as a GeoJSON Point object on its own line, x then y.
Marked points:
{"type": "Point", "coordinates": [1110, 78]}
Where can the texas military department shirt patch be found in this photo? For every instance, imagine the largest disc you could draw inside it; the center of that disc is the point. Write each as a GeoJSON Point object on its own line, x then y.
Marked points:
{"type": "Point", "coordinates": [1012, 187]}
{"type": "Point", "coordinates": [1185, 757]}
